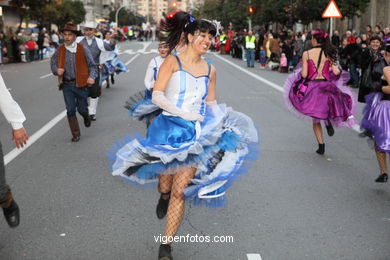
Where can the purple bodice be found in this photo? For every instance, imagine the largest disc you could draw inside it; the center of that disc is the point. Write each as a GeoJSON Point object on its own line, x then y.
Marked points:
{"type": "Point", "coordinates": [312, 71]}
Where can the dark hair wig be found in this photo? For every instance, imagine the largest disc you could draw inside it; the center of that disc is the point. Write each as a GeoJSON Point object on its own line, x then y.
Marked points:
{"type": "Point", "coordinates": [322, 38]}
{"type": "Point", "coordinates": [181, 23]}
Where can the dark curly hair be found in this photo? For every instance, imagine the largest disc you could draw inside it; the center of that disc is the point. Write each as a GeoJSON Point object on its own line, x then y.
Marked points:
{"type": "Point", "coordinates": [177, 23]}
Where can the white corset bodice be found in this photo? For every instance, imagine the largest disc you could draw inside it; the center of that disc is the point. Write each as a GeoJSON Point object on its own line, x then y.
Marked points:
{"type": "Point", "coordinates": [187, 92]}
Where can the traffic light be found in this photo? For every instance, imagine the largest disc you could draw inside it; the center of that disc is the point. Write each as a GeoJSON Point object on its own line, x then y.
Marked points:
{"type": "Point", "coordinates": [250, 10]}
{"type": "Point", "coordinates": [174, 4]}
{"type": "Point", "coordinates": [171, 14]}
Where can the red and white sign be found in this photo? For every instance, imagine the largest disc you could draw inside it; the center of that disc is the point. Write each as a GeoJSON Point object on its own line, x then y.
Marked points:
{"type": "Point", "coordinates": [332, 11]}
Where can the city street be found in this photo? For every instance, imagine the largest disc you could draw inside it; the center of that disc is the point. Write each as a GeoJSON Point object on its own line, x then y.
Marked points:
{"type": "Point", "coordinates": [292, 205]}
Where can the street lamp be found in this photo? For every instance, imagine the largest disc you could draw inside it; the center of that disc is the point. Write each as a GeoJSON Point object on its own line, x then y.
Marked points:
{"type": "Point", "coordinates": [117, 13]}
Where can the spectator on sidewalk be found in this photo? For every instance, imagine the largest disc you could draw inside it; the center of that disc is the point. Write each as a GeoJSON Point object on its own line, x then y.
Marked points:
{"type": "Point", "coordinates": [250, 46]}
{"type": "Point", "coordinates": [283, 63]}
{"type": "Point", "coordinates": [274, 47]}
{"type": "Point", "coordinates": [377, 29]}
{"type": "Point", "coordinates": [372, 68]}
{"type": "Point", "coordinates": [55, 39]}
{"type": "Point", "coordinates": [40, 41]}
{"type": "Point", "coordinates": [263, 58]}
{"type": "Point", "coordinates": [31, 48]}
{"type": "Point", "coordinates": [336, 38]}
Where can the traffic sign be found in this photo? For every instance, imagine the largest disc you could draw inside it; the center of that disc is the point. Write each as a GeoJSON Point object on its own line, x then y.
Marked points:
{"type": "Point", "coordinates": [332, 11]}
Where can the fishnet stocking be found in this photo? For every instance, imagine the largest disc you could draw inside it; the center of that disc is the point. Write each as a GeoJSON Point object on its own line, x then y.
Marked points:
{"type": "Point", "coordinates": [165, 184]}
{"type": "Point", "coordinates": [176, 205]}
{"type": "Point", "coordinates": [381, 160]}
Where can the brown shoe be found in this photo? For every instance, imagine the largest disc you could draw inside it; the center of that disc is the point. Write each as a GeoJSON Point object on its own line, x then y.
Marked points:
{"type": "Point", "coordinates": [74, 128]}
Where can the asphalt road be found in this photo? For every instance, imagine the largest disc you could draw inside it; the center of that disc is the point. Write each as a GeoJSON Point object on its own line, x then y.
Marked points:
{"type": "Point", "coordinates": [293, 204]}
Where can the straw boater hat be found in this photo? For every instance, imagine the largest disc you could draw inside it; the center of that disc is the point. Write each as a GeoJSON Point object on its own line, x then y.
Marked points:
{"type": "Point", "coordinates": [71, 27]}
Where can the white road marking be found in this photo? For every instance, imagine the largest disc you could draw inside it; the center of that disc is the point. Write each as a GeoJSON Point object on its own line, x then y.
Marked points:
{"type": "Point", "coordinates": [146, 45]}
{"type": "Point", "coordinates": [46, 76]}
{"type": "Point", "coordinates": [9, 157]}
{"type": "Point", "coordinates": [15, 152]}
{"type": "Point", "coordinates": [279, 88]}
{"type": "Point", "coordinates": [131, 60]}
{"type": "Point", "coordinates": [269, 83]}
{"type": "Point", "coordinates": [254, 256]}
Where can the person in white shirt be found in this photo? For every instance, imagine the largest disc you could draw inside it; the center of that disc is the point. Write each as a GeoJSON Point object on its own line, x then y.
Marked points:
{"type": "Point", "coordinates": [55, 39]}
{"type": "Point", "coordinates": [97, 47]}
{"type": "Point", "coordinates": [15, 117]}
{"type": "Point", "coordinates": [155, 64]}
{"type": "Point", "coordinates": [140, 105]}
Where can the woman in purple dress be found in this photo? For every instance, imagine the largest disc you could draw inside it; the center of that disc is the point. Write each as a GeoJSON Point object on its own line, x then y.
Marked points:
{"type": "Point", "coordinates": [376, 118]}
{"type": "Point", "coordinates": [317, 89]}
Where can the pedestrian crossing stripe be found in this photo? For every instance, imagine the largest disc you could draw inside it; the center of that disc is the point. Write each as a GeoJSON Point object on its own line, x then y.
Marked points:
{"type": "Point", "coordinates": [254, 256]}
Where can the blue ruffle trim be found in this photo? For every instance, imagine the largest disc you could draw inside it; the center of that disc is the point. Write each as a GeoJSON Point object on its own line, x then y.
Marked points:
{"type": "Point", "coordinates": [228, 142]}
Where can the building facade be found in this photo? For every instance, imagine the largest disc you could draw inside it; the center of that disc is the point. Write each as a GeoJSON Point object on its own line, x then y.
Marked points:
{"type": "Point", "coordinates": [157, 8]}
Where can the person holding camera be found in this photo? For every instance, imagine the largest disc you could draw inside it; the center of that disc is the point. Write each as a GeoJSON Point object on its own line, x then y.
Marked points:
{"type": "Point", "coordinates": [74, 65]}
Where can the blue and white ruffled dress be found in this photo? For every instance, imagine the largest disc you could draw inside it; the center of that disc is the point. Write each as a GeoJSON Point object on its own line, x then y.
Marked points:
{"type": "Point", "coordinates": [216, 147]}
{"type": "Point", "coordinates": [112, 63]}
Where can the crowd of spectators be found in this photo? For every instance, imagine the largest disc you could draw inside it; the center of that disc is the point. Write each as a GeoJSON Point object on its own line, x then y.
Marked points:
{"type": "Point", "coordinates": [283, 50]}
{"type": "Point", "coordinates": [28, 45]}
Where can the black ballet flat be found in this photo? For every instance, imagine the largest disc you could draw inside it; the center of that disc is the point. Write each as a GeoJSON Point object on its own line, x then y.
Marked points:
{"type": "Point", "coordinates": [365, 133]}
{"type": "Point", "coordinates": [162, 205]}
{"type": "Point", "coordinates": [12, 214]}
{"type": "Point", "coordinates": [165, 252]}
{"type": "Point", "coordinates": [382, 178]}
{"type": "Point", "coordinates": [329, 128]}
{"type": "Point", "coordinates": [321, 149]}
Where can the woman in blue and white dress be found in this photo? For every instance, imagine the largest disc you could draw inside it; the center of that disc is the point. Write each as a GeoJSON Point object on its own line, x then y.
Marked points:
{"type": "Point", "coordinates": [195, 147]}
{"type": "Point", "coordinates": [111, 63]}
{"type": "Point", "coordinates": [140, 106]}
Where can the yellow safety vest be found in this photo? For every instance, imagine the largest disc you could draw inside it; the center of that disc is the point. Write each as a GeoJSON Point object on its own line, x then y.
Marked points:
{"type": "Point", "coordinates": [250, 43]}
{"type": "Point", "coordinates": [222, 39]}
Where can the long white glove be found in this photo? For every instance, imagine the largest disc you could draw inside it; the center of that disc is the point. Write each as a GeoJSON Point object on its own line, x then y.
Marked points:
{"type": "Point", "coordinates": [160, 100]}
{"type": "Point", "coordinates": [211, 103]}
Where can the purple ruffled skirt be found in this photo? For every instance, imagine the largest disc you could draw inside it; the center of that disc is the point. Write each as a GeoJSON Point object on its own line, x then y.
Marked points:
{"type": "Point", "coordinates": [321, 100]}
{"type": "Point", "coordinates": [376, 119]}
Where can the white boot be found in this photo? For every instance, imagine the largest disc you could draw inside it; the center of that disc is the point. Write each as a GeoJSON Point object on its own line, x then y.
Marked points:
{"type": "Point", "coordinates": [93, 103]}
